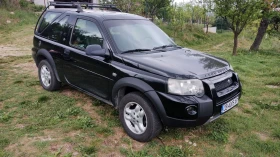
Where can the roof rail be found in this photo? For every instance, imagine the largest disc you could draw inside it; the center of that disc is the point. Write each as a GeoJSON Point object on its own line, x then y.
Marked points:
{"type": "Point", "coordinates": [85, 5]}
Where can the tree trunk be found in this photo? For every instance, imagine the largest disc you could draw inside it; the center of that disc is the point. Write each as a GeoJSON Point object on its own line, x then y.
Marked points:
{"type": "Point", "coordinates": [152, 17]}
{"type": "Point", "coordinates": [235, 44]}
{"type": "Point", "coordinates": [261, 32]}
{"type": "Point", "coordinates": [207, 25]}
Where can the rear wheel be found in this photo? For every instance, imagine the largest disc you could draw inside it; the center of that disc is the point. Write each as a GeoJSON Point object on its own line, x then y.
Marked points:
{"type": "Point", "coordinates": [47, 77]}
{"type": "Point", "coordinates": [138, 117]}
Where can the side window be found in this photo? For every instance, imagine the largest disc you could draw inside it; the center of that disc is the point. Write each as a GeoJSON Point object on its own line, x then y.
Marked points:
{"type": "Point", "coordinates": [86, 33]}
{"type": "Point", "coordinates": [46, 20]}
{"type": "Point", "coordinates": [57, 30]}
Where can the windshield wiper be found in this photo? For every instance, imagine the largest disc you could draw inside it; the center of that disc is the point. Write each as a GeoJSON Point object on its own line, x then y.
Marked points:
{"type": "Point", "coordinates": [165, 46]}
{"type": "Point", "coordinates": [136, 50]}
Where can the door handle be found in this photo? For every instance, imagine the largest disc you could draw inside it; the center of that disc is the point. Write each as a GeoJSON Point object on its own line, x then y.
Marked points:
{"type": "Point", "coordinates": [67, 57]}
{"type": "Point", "coordinates": [66, 51]}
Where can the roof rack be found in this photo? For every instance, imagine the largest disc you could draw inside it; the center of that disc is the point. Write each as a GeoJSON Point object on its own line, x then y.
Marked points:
{"type": "Point", "coordinates": [85, 5]}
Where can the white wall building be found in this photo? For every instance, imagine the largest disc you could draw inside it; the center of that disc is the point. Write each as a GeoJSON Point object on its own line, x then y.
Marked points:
{"type": "Point", "coordinates": [40, 2]}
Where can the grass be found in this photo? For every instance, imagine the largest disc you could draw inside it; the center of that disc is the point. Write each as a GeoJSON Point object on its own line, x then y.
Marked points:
{"type": "Point", "coordinates": [17, 18]}
{"type": "Point", "coordinates": [34, 122]}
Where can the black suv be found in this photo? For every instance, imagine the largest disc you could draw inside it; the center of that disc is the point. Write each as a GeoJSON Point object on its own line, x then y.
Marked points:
{"type": "Point", "coordinates": [128, 62]}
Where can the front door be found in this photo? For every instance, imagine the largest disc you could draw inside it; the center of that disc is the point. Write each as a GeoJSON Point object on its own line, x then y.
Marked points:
{"type": "Point", "coordinates": [90, 73]}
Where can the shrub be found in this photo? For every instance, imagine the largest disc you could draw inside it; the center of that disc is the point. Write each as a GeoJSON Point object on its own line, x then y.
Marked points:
{"type": "Point", "coordinates": [9, 4]}
{"type": "Point", "coordinates": [36, 8]}
{"type": "Point", "coordinates": [23, 3]}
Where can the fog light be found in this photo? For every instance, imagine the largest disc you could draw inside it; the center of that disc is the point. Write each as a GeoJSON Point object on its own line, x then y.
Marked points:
{"type": "Point", "coordinates": [191, 110]}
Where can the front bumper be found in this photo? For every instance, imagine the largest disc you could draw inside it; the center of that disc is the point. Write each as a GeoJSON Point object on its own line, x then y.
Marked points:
{"type": "Point", "coordinates": [208, 106]}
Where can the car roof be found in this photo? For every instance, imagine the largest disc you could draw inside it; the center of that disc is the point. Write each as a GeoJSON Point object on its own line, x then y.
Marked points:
{"type": "Point", "coordinates": [100, 14]}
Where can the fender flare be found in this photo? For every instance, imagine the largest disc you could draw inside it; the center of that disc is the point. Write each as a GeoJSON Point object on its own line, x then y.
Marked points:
{"type": "Point", "coordinates": [144, 88]}
{"type": "Point", "coordinates": [47, 55]}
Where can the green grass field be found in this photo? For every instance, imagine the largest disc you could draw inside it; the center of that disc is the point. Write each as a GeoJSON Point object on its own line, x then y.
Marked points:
{"type": "Point", "coordinates": [34, 122]}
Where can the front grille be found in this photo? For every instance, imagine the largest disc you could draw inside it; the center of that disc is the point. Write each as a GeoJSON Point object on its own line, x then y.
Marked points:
{"type": "Point", "coordinates": [223, 84]}
{"type": "Point", "coordinates": [227, 98]}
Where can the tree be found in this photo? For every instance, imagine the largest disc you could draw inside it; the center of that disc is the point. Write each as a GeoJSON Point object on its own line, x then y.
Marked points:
{"type": "Point", "coordinates": [237, 13]}
{"type": "Point", "coordinates": [189, 11]}
{"type": "Point", "coordinates": [132, 6]}
{"type": "Point", "coordinates": [198, 14]}
{"type": "Point", "coordinates": [221, 24]}
{"type": "Point", "coordinates": [269, 16]}
{"type": "Point", "coordinates": [275, 24]}
{"type": "Point", "coordinates": [166, 13]}
{"type": "Point", "coordinates": [153, 6]}
{"type": "Point", "coordinates": [208, 8]}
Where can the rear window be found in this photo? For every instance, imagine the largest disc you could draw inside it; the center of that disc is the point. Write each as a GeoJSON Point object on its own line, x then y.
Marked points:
{"type": "Point", "coordinates": [48, 18]}
{"type": "Point", "coordinates": [57, 30]}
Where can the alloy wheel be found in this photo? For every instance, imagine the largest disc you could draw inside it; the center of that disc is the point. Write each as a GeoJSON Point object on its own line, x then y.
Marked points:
{"type": "Point", "coordinates": [135, 118]}
{"type": "Point", "coordinates": [45, 76]}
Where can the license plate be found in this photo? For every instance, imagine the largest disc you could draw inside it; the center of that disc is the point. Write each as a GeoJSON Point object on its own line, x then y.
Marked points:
{"type": "Point", "coordinates": [229, 105]}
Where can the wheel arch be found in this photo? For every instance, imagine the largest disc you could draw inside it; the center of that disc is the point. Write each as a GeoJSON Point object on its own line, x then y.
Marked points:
{"type": "Point", "coordinates": [129, 84]}
{"type": "Point", "coordinates": [44, 54]}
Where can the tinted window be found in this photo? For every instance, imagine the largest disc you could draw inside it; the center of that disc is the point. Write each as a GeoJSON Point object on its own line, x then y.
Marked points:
{"type": "Point", "coordinates": [47, 19]}
{"type": "Point", "coordinates": [86, 33]}
{"type": "Point", "coordinates": [57, 30]}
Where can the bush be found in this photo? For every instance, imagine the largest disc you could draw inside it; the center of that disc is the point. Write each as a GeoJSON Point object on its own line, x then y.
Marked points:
{"type": "Point", "coordinates": [23, 4]}
{"type": "Point", "coordinates": [36, 8]}
{"type": "Point", "coordinates": [9, 4]}
{"type": "Point", "coordinates": [221, 23]}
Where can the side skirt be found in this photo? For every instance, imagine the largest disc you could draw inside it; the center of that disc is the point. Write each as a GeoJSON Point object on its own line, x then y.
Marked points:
{"type": "Point", "coordinates": [91, 94]}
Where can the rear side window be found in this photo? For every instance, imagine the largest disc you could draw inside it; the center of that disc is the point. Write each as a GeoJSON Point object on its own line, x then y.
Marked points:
{"type": "Point", "coordinates": [57, 30]}
{"type": "Point", "coordinates": [46, 20]}
{"type": "Point", "coordinates": [86, 33]}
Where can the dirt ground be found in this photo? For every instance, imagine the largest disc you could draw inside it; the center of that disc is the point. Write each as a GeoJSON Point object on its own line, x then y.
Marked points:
{"type": "Point", "coordinates": [18, 43]}
{"type": "Point", "coordinates": [13, 50]}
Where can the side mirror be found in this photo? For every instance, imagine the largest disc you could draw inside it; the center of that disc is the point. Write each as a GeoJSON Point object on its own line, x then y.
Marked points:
{"type": "Point", "coordinates": [95, 50]}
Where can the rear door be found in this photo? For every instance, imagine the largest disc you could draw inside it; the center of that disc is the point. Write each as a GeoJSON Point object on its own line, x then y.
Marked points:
{"type": "Point", "coordinates": [89, 73]}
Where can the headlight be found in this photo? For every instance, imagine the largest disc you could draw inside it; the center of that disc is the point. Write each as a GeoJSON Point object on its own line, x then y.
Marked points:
{"type": "Point", "coordinates": [230, 67]}
{"type": "Point", "coordinates": [186, 87]}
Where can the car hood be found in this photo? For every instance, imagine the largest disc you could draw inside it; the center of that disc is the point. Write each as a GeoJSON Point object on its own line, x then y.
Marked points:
{"type": "Point", "coordinates": [181, 63]}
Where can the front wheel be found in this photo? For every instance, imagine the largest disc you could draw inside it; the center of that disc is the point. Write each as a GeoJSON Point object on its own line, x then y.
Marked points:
{"type": "Point", "coordinates": [138, 117]}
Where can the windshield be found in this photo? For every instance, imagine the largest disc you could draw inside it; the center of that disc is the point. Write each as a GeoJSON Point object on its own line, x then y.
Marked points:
{"type": "Point", "coordinates": [136, 35]}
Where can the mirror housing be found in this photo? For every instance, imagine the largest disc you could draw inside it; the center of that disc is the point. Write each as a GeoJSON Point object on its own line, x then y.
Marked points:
{"type": "Point", "coordinates": [95, 50]}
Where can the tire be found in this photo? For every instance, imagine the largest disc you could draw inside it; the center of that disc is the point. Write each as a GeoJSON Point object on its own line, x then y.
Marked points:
{"type": "Point", "coordinates": [150, 123]}
{"type": "Point", "coordinates": [47, 77]}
